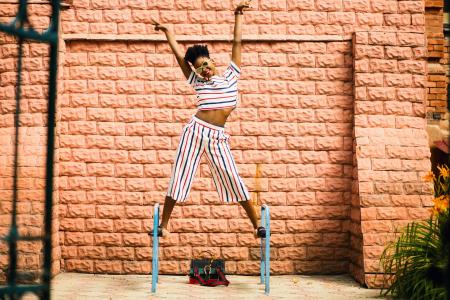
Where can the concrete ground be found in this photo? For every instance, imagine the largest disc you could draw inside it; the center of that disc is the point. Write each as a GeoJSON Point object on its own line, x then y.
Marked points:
{"type": "Point", "coordinates": [74, 286]}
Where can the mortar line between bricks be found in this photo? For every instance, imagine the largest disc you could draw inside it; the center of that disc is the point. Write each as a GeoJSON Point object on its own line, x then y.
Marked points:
{"type": "Point", "coordinates": [207, 38]}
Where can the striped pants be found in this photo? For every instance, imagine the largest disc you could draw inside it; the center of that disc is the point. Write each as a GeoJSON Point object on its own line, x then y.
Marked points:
{"type": "Point", "coordinates": [198, 138]}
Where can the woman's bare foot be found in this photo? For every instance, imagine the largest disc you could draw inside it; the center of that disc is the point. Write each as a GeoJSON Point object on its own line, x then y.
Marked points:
{"type": "Point", "coordinates": [164, 232]}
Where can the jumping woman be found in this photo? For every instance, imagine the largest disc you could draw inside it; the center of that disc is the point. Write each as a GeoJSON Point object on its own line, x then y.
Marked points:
{"type": "Point", "coordinates": [217, 96]}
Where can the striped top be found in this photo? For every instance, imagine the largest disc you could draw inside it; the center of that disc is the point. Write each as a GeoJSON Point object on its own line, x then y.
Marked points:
{"type": "Point", "coordinates": [218, 92]}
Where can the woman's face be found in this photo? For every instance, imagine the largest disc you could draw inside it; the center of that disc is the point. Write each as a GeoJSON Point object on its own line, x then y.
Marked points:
{"type": "Point", "coordinates": [204, 66]}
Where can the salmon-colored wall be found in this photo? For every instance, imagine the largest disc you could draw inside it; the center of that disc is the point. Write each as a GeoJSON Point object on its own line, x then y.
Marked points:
{"type": "Point", "coordinates": [391, 146]}
{"type": "Point", "coordinates": [323, 133]}
{"type": "Point", "coordinates": [291, 137]}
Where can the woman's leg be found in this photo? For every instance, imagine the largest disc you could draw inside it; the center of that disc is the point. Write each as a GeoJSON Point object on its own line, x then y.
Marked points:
{"type": "Point", "coordinates": [229, 184]}
{"type": "Point", "coordinates": [169, 204]}
{"type": "Point", "coordinates": [251, 213]}
{"type": "Point", "coordinates": [187, 159]}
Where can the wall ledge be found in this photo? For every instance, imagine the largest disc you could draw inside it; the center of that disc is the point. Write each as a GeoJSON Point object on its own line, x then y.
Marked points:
{"type": "Point", "coordinates": [206, 38]}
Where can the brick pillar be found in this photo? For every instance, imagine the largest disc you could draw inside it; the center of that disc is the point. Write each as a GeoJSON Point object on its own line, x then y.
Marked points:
{"type": "Point", "coordinates": [391, 151]}
{"type": "Point", "coordinates": [437, 114]}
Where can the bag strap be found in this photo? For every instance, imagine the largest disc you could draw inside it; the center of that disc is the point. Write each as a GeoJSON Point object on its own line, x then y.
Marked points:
{"type": "Point", "coordinates": [212, 282]}
{"type": "Point", "coordinates": [198, 277]}
{"type": "Point", "coordinates": [222, 281]}
{"type": "Point", "coordinates": [222, 275]}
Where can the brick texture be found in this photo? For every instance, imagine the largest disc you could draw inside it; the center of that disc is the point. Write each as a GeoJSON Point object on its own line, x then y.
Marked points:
{"type": "Point", "coordinates": [320, 134]}
{"type": "Point", "coordinates": [278, 17]}
{"type": "Point", "coordinates": [437, 80]}
{"type": "Point", "coordinates": [391, 151]}
{"type": "Point", "coordinates": [291, 138]}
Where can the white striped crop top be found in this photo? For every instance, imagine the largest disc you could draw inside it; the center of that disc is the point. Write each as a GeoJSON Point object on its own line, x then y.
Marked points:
{"type": "Point", "coordinates": [218, 92]}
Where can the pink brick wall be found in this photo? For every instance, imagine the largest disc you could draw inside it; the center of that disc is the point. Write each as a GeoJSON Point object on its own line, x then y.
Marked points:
{"type": "Point", "coordinates": [391, 145]}
{"type": "Point", "coordinates": [291, 137]}
{"type": "Point", "coordinates": [313, 114]}
{"type": "Point", "coordinates": [215, 17]}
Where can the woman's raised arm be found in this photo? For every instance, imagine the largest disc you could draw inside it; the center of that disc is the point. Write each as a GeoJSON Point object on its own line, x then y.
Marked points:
{"type": "Point", "coordinates": [175, 48]}
{"type": "Point", "coordinates": [237, 45]}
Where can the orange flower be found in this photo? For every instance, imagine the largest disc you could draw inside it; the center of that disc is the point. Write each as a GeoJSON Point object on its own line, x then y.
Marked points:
{"type": "Point", "coordinates": [444, 171]}
{"type": "Point", "coordinates": [429, 177]}
{"type": "Point", "coordinates": [440, 204]}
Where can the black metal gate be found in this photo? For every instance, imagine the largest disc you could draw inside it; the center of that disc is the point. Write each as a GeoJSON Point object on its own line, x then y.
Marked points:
{"type": "Point", "coordinates": [20, 28]}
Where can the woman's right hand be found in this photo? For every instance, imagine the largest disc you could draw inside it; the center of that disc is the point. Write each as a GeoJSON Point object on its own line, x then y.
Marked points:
{"type": "Point", "coordinates": [159, 26]}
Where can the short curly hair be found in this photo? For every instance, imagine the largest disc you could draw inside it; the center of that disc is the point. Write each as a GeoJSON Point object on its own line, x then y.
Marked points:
{"type": "Point", "coordinates": [196, 51]}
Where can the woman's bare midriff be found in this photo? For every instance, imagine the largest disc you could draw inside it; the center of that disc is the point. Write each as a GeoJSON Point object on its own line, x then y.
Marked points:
{"type": "Point", "coordinates": [216, 117]}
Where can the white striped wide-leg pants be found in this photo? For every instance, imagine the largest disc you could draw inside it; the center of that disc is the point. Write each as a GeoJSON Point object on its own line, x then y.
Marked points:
{"type": "Point", "coordinates": [198, 138]}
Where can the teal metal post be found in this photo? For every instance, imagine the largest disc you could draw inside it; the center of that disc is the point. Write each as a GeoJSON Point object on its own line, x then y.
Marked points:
{"type": "Point", "coordinates": [155, 260]}
{"type": "Point", "coordinates": [262, 247]}
{"type": "Point", "coordinates": [267, 256]}
{"type": "Point", "coordinates": [265, 249]}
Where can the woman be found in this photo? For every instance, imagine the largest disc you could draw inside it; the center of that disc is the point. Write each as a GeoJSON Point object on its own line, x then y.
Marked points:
{"type": "Point", "coordinates": [204, 134]}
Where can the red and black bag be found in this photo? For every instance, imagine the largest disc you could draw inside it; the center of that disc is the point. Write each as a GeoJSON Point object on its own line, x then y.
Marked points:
{"type": "Point", "coordinates": [208, 272]}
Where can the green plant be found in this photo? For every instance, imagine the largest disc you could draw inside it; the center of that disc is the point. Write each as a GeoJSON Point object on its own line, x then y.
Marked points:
{"type": "Point", "coordinates": [415, 263]}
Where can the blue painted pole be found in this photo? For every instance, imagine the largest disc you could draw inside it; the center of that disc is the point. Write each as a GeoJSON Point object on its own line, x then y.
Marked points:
{"type": "Point", "coordinates": [267, 256]}
{"type": "Point", "coordinates": [157, 253]}
{"type": "Point", "coordinates": [262, 264]}
{"type": "Point", "coordinates": [155, 247]}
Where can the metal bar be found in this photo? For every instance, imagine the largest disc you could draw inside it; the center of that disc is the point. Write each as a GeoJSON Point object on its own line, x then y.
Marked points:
{"type": "Point", "coordinates": [267, 256]}
{"type": "Point", "coordinates": [24, 238]}
{"type": "Point", "coordinates": [21, 288]}
{"type": "Point", "coordinates": [51, 116]}
{"type": "Point", "coordinates": [155, 247]}
{"type": "Point", "coordinates": [28, 34]}
{"type": "Point", "coordinates": [28, 2]}
{"type": "Point", "coordinates": [21, 28]}
{"type": "Point", "coordinates": [261, 247]}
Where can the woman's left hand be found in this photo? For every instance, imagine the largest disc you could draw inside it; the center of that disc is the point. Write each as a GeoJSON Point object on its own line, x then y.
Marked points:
{"type": "Point", "coordinates": [242, 5]}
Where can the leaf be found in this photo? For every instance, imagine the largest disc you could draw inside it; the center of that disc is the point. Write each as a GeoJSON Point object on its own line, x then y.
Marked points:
{"type": "Point", "coordinates": [407, 260]}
